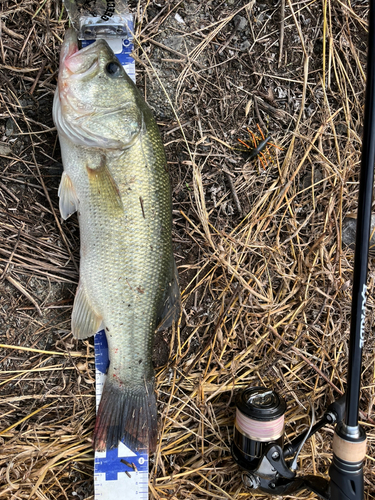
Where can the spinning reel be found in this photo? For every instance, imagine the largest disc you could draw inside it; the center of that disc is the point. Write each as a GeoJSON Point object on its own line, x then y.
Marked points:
{"type": "Point", "coordinates": [258, 448]}
{"type": "Point", "coordinates": [270, 466]}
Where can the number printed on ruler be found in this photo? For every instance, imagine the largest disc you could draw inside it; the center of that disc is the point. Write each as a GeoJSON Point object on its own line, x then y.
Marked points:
{"type": "Point", "coordinates": [116, 478]}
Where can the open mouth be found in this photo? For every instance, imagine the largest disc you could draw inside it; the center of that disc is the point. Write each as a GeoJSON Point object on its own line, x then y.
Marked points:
{"type": "Point", "coordinates": [79, 63]}
{"type": "Point", "coordinates": [69, 46]}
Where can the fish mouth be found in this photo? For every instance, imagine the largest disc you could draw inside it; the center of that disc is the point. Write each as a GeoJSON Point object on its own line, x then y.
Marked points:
{"type": "Point", "coordinates": [69, 46]}
{"type": "Point", "coordinates": [81, 63]}
{"type": "Point", "coordinates": [76, 65]}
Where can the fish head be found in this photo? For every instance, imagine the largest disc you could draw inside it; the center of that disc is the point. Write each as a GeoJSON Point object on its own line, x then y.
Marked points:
{"type": "Point", "coordinates": [96, 103]}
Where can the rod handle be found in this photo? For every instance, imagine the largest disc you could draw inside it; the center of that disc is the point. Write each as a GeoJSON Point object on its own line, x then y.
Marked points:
{"type": "Point", "coordinates": [346, 470]}
{"type": "Point", "coordinates": [346, 480]}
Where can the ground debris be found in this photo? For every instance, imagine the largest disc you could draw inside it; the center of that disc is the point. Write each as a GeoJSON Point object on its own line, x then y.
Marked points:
{"type": "Point", "coordinates": [264, 276]}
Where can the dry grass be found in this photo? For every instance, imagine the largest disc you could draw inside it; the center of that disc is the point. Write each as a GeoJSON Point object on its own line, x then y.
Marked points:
{"type": "Point", "coordinates": [265, 280]}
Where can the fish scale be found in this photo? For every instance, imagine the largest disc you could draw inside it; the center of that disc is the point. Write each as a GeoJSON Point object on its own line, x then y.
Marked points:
{"type": "Point", "coordinates": [115, 177]}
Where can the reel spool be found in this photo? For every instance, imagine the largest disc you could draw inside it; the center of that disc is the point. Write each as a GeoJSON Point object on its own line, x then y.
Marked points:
{"type": "Point", "coordinates": [259, 422]}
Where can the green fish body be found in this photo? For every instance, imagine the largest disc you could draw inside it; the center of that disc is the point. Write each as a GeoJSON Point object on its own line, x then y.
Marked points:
{"type": "Point", "coordinates": [115, 177]}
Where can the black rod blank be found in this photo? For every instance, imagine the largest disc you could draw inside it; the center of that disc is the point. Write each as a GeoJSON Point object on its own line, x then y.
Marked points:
{"type": "Point", "coordinates": [362, 236]}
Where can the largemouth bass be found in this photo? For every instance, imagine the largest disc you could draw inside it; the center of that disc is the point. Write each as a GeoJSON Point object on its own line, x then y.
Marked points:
{"type": "Point", "coordinates": [115, 177]}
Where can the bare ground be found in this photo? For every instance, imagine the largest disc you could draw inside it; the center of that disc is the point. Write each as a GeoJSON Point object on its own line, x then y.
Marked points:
{"type": "Point", "coordinates": [265, 279]}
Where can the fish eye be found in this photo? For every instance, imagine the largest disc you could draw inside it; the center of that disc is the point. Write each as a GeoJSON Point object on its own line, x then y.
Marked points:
{"type": "Point", "coordinates": [113, 69]}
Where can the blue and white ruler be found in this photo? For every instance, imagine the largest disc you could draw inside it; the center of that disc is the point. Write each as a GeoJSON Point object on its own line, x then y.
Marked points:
{"type": "Point", "coordinates": [121, 45]}
{"type": "Point", "coordinates": [119, 473]}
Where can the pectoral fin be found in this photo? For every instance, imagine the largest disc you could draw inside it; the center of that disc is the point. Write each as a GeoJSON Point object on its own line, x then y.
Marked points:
{"type": "Point", "coordinates": [171, 304]}
{"type": "Point", "coordinates": [85, 321]}
{"type": "Point", "coordinates": [103, 183]}
{"type": "Point", "coordinates": [68, 200]}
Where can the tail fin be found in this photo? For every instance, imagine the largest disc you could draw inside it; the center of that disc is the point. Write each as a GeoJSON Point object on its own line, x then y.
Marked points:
{"type": "Point", "coordinates": [127, 414]}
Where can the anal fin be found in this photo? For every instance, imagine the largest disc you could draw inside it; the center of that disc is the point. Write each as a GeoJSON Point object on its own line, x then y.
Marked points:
{"type": "Point", "coordinates": [85, 321]}
{"type": "Point", "coordinates": [68, 200]}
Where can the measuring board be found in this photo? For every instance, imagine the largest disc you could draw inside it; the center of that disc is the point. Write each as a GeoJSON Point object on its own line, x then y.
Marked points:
{"type": "Point", "coordinates": [119, 473]}
{"type": "Point", "coordinates": [122, 46]}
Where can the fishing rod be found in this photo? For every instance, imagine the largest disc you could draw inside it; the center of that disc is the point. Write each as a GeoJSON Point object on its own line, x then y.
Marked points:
{"type": "Point", "coordinates": [258, 444]}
